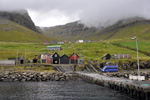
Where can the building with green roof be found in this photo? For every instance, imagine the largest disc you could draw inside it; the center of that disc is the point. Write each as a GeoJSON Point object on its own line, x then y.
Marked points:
{"type": "Point", "coordinates": [54, 47]}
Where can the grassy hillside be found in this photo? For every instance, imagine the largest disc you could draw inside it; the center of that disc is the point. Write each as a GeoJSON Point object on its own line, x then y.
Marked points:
{"type": "Point", "coordinates": [89, 51]}
{"type": "Point", "coordinates": [13, 32]}
{"type": "Point", "coordinates": [122, 30]}
{"type": "Point", "coordinates": [143, 46]}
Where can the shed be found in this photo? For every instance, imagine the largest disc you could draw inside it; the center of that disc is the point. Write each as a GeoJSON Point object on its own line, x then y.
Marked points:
{"type": "Point", "coordinates": [7, 62]}
{"type": "Point", "coordinates": [34, 60]}
{"type": "Point", "coordinates": [80, 61]}
{"type": "Point", "coordinates": [54, 47]}
{"type": "Point", "coordinates": [122, 56]}
{"type": "Point", "coordinates": [16, 60]}
{"type": "Point", "coordinates": [106, 57]}
{"type": "Point", "coordinates": [21, 60]}
{"type": "Point", "coordinates": [74, 58]}
{"type": "Point", "coordinates": [56, 58]}
{"type": "Point", "coordinates": [27, 61]}
{"type": "Point", "coordinates": [64, 59]}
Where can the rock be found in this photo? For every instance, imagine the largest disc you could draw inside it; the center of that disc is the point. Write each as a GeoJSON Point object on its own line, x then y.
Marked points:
{"type": "Point", "coordinates": [8, 80]}
{"type": "Point", "coordinates": [28, 79]}
{"type": "Point", "coordinates": [62, 79]}
{"type": "Point", "coordinates": [67, 78]}
{"type": "Point", "coordinates": [56, 78]}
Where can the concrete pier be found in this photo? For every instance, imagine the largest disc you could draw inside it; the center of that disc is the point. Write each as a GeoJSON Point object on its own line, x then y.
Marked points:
{"type": "Point", "coordinates": [135, 89]}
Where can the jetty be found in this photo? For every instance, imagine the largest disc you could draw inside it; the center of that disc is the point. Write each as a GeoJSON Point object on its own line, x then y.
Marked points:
{"type": "Point", "coordinates": [133, 88]}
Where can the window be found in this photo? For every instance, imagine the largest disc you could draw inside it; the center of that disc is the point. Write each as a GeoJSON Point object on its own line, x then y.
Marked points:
{"type": "Point", "coordinates": [55, 55]}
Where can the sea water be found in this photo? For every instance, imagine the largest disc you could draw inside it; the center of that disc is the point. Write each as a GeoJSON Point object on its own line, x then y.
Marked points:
{"type": "Point", "coordinates": [53, 90]}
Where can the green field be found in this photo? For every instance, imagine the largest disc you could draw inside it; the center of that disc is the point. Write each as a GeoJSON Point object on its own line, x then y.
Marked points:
{"type": "Point", "coordinates": [89, 51]}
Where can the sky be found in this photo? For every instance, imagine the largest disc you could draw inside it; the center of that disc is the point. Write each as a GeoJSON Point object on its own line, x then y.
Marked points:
{"type": "Point", "coordinates": [97, 13]}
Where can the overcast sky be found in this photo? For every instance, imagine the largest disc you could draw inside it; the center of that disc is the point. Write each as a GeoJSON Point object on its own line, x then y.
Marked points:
{"type": "Point", "coordinates": [90, 12]}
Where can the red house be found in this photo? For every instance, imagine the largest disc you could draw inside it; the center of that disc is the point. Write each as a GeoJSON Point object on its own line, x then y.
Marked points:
{"type": "Point", "coordinates": [46, 42]}
{"type": "Point", "coordinates": [49, 58]}
{"type": "Point", "coordinates": [74, 58]}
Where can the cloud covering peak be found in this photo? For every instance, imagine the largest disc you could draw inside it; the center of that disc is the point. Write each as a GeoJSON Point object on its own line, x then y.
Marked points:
{"type": "Point", "coordinates": [98, 13]}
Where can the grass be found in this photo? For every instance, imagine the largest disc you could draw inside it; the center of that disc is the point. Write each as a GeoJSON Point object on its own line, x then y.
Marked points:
{"type": "Point", "coordinates": [143, 46]}
{"type": "Point", "coordinates": [27, 68]}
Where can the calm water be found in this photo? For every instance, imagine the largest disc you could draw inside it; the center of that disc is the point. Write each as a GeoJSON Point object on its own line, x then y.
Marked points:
{"type": "Point", "coordinates": [71, 90]}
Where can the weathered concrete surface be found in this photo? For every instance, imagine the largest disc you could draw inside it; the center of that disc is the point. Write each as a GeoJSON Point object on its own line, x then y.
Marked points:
{"type": "Point", "coordinates": [138, 89]}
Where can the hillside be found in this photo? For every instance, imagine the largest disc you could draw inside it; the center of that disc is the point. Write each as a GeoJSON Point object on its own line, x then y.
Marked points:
{"type": "Point", "coordinates": [124, 29]}
{"type": "Point", "coordinates": [13, 32]}
{"type": "Point", "coordinates": [21, 17]}
{"type": "Point", "coordinates": [17, 26]}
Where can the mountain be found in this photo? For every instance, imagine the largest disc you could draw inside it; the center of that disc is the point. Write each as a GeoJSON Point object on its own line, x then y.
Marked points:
{"type": "Point", "coordinates": [21, 17]}
{"type": "Point", "coordinates": [123, 29]}
{"type": "Point", "coordinates": [17, 26]}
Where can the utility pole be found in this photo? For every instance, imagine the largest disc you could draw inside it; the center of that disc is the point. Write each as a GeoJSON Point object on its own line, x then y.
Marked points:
{"type": "Point", "coordinates": [135, 38]}
{"type": "Point", "coordinates": [25, 56]}
{"type": "Point", "coordinates": [17, 58]}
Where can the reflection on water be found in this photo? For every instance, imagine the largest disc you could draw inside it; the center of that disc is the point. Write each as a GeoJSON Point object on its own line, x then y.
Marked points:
{"type": "Point", "coordinates": [71, 90]}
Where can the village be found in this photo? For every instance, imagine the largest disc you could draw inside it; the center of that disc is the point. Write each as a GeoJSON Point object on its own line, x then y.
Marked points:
{"type": "Point", "coordinates": [55, 58]}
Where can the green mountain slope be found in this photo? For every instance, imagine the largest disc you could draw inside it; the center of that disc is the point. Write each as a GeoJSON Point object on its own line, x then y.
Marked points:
{"type": "Point", "coordinates": [14, 32]}
{"type": "Point", "coordinates": [123, 30]}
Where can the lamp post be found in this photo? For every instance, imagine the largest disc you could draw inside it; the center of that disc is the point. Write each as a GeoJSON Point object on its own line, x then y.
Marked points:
{"type": "Point", "coordinates": [135, 38]}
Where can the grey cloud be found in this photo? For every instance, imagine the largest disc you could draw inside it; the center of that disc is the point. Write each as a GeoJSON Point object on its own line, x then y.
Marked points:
{"type": "Point", "coordinates": [91, 12]}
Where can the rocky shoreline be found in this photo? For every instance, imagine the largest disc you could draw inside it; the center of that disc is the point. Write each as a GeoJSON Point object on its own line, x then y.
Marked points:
{"type": "Point", "coordinates": [32, 76]}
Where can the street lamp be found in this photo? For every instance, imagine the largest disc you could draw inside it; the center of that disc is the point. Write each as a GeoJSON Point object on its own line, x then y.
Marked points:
{"type": "Point", "coordinates": [135, 38]}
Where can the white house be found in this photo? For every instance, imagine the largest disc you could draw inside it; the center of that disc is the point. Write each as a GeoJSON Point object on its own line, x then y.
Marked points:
{"type": "Point", "coordinates": [79, 41]}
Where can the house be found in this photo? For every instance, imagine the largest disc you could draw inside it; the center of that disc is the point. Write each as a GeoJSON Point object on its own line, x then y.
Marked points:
{"type": "Point", "coordinates": [46, 42]}
{"type": "Point", "coordinates": [34, 60]}
{"type": "Point", "coordinates": [80, 61]}
{"type": "Point", "coordinates": [60, 42]}
{"type": "Point", "coordinates": [54, 47]}
{"type": "Point", "coordinates": [74, 58]}
{"type": "Point", "coordinates": [56, 58]}
{"type": "Point", "coordinates": [21, 60]}
{"type": "Point", "coordinates": [87, 41]}
{"type": "Point", "coordinates": [69, 42]}
{"type": "Point", "coordinates": [43, 58]}
{"type": "Point", "coordinates": [54, 42]}
{"type": "Point", "coordinates": [49, 58]}
{"type": "Point", "coordinates": [106, 57]}
{"type": "Point", "coordinates": [64, 59]}
{"type": "Point", "coordinates": [79, 41]}
{"type": "Point", "coordinates": [122, 56]}
{"type": "Point", "coordinates": [101, 40]}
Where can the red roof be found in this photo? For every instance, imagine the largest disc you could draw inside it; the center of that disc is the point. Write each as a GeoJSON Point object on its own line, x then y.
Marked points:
{"type": "Point", "coordinates": [74, 56]}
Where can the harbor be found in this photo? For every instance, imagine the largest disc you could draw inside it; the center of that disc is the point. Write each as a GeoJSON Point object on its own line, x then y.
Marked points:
{"type": "Point", "coordinates": [133, 88]}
